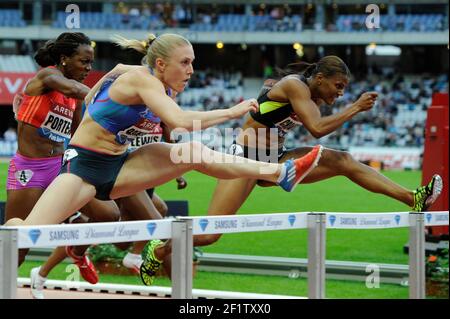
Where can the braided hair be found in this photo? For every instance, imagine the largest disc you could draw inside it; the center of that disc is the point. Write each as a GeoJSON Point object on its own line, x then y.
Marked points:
{"type": "Point", "coordinates": [328, 66]}
{"type": "Point", "coordinates": [66, 44]}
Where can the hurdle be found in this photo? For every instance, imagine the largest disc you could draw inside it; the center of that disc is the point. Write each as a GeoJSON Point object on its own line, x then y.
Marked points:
{"type": "Point", "coordinates": [14, 238]}
{"type": "Point", "coordinates": [318, 222]}
{"type": "Point", "coordinates": [182, 229]}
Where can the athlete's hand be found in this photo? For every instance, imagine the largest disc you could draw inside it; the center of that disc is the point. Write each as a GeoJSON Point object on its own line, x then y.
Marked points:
{"type": "Point", "coordinates": [244, 107]}
{"type": "Point", "coordinates": [366, 101]}
{"type": "Point", "coordinates": [181, 182]}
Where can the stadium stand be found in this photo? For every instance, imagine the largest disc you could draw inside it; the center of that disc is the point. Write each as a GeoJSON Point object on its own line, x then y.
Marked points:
{"type": "Point", "coordinates": [17, 63]}
{"type": "Point", "coordinates": [400, 22]}
{"type": "Point", "coordinates": [11, 18]}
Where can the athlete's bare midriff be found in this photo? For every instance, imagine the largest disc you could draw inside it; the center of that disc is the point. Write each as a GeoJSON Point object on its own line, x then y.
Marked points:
{"type": "Point", "coordinates": [93, 136]}
{"type": "Point", "coordinates": [257, 135]}
{"type": "Point", "coordinates": [32, 144]}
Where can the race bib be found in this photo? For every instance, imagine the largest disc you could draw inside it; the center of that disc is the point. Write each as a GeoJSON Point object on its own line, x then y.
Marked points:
{"type": "Point", "coordinates": [57, 125]}
{"type": "Point", "coordinates": [145, 140]}
{"type": "Point", "coordinates": [287, 124]}
{"type": "Point", "coordinates": [143, 128]}
{"type": "Point", "coordinates": [128, 135]}
{"type": "Point", "coordinates": [68, 155]}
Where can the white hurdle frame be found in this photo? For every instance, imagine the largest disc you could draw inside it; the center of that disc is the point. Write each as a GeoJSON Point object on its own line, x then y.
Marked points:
{"type": "Point", "coordinates": [183, 230]}
{"type": "Point", "coordinates": [8, 263]}
{"type": "Point", "coordinates": [182, 246]}
{"type": "Point", "coordinates": [417, 276]}
{"type": "Point", "coordinates": [316, 255]}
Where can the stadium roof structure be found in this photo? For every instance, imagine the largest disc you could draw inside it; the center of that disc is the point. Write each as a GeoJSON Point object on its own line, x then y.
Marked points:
{"type": "Point", "coordinates": [305, 37]}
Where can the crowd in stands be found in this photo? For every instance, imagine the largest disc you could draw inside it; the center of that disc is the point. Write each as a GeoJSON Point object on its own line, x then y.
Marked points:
{"type": "Point", "coordinates": [399, 22]}
{"type": "Point", "coordinates": [11, 18]}
{"type": "Point", "coordinates": [277, 19]}
{"type": "Point", "coordinates": [210, 90]}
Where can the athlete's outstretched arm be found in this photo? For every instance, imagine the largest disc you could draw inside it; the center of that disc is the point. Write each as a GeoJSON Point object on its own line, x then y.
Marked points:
{"type": "Point", "coordinates": [53, 79]}
{"type": "Point", "coordinates": [152, 93]}
{"type": "Point", "coordinates": [309, 113]}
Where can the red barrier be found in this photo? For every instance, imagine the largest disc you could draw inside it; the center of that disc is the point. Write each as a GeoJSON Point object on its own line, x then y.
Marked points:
{"type": "Point", "coordinates": [12, 83]}
{"type": "Point", "coordinates": [435, 157]}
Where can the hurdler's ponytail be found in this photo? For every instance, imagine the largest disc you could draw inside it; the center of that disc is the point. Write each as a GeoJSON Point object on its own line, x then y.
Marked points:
{"type": "Point", "coordinates": [153, 47]}
{"type": "Point", "coordinates": [328, 66]}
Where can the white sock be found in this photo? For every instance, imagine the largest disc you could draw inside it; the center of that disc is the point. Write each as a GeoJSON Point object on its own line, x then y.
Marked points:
{"type": "Point", "coordinates": [282, 174]}
{"type": "Point", "coordinates": [133, 257]}
{"type": "Point", "coordinates": [40, 280]}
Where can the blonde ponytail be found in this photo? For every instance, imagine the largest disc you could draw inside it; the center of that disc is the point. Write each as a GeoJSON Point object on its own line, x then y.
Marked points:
{"type": "Point", "coordinates": [140, 46]}
{"type": "Point", "coordinates": [153, 47]}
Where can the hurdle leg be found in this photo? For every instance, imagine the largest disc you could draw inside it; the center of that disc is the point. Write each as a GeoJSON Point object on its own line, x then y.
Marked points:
{"type": "Point", "coordinates": [182, 246]}
{"type": "Point", "coordinates": [8, 263]}
{"type": "Point", "coordinates": [316, 255]}
{"type": "Point", "coordinates": [416, 256]}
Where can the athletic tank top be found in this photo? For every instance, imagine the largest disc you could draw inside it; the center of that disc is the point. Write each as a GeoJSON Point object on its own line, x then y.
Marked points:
{"type": "Point", "coordinates": [50, 113]}
{"type": "Point", "coordinates": [127, 122]}
{"type": "Point", "coordinates": [279, 115]}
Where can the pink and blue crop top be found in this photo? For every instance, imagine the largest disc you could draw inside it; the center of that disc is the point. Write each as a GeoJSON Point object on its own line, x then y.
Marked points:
{"type": "Point", "coordinates": [127, 122]}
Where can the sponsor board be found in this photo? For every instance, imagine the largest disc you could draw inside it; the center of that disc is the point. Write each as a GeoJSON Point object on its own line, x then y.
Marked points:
{"type": "Point", "coordinates": [93, 233]}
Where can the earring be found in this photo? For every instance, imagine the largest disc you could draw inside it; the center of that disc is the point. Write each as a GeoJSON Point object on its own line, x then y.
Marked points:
{"type": "Point", "coordinates": [64, 63]}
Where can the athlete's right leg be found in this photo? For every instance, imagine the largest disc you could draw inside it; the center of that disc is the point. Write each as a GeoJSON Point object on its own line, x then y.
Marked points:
{"type": "Point", "coordinates": [172, 161]}
{"type": "Point", "coordinates": [101, 211]}
{"type": "Point", "coordinates": [98, 211]}
{"type": "Point", "coordinates": [228, 197]}
{"type": "Point", "coordinates": [56, 257]}
{"type": "Point", "coordinates": [160, 204]}
{"type": "Point", "coordinates": [137, 207]}
{"type": "Point", "coordinates": [65, 195]}
{"type": "Point", "coordinates": [38, 275]}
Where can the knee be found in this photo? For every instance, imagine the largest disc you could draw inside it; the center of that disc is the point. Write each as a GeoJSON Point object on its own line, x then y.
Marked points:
{"type": "Point", "coordinates": [162, 209]}
{"type": "Point", "coordinates": [14, 222]}
{"type": "Point", "coordinates": [114, 216]}
{"type": "Point", "coordinates": [340, 158]}
{"type": "Point", "coordinates": [110, 214]}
